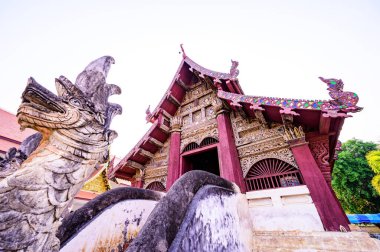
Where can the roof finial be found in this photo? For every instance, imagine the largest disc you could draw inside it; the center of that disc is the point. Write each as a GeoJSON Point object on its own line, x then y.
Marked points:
{"type": "Point", "coordinates": [183, 51]}
{"type": "Point", "coordinates": [149, 116]}
{"type": "Point", "coordinates": [234, 72]}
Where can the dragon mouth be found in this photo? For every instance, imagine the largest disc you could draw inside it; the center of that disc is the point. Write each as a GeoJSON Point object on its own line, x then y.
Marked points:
{"type": "Point", "coordinates": [40, 99]}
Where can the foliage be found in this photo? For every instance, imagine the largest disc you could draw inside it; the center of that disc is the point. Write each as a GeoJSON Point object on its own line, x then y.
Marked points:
{"type": "Point", "coordinates": [373, 159]}
{"type": "Point", "coordinates": [351, 178]}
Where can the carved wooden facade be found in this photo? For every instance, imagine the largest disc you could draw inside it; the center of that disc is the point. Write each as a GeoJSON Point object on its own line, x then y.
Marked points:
{"type": "Point", "coordinates": [198, 115]}
{"type": "Point", "coordinates": [156, 170]}
{"type": "Point", "coordinates": [244, 131]}
{"type": "Point", "coordinates": [256, 142]}
{"type": "Point", "coordinates": [254, 139]}
{"type": "Point", "coordinates": [196, 121]}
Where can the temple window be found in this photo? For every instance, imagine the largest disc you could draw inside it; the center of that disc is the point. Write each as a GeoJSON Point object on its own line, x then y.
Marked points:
{"type": "Point", "coordinates": [197, 116]}
{"type": "Point", "coordinates": [209, 111]}
{"type": "Point", "coordinates": [191, 146]}
{"type": "Point", "coordinates": [166, 122]}
{"type": "Point", "coordinates": [208, 141]}
{"type": "Point", "coordinates": [205, 142]}
{"type": "Point", "coordinates": [156, 186]}
{"type": "Point", "coordinates": [196, 102]}
{"type": "Point", "coordinates": [272, 173]}
{"type": "Point", "coordinates": [186, 120]}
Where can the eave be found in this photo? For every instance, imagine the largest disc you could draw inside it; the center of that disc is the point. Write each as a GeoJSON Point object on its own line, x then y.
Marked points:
{"type": "Point", "coordinates": [319, 117]}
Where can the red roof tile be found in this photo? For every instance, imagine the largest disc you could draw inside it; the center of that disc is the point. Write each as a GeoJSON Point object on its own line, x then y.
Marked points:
{"type": "Point", "coordinates": [10, 133]}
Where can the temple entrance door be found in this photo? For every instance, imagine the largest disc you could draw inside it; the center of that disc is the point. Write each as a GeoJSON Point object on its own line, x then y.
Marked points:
{"type": "Point", "coordinates": [206, 160]}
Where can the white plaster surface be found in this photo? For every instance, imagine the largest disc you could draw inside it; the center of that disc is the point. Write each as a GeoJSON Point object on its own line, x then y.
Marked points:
{"type": "Point", "coordinates": [220, 223]}
{"type": "Point", "coordinates": [283, 209]}
{"type": "Point", "coordinates": [112, 227]}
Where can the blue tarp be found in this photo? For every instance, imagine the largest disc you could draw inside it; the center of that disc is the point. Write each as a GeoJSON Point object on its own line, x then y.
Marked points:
{"type": "Point", "coordinates": [364, 218]}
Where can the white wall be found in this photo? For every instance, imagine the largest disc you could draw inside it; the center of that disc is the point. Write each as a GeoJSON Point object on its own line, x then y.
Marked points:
{"type": "Point", "coordinates": [113, 228]}
{"type": "Point", "coordinates": [283, 209]}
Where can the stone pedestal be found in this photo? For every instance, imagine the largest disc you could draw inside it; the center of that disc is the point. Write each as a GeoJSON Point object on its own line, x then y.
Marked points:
{"type": "Point", "coordinates": [314, 241]}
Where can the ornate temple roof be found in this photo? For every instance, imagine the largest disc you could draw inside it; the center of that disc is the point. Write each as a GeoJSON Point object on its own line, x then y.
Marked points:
{"type": "Point", "coordinates": [323, 116]}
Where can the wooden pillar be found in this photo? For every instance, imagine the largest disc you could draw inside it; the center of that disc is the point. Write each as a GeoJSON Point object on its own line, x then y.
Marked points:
{"type": "Point", "coordinates": [174, 152]}
{"type": "Point", "coordinates": [137, 183]}
{"type": "Point", "coordinates": [229, 163]}
{"type": "Point", "coordinates": [328, 207]}
{"type": "Point", "coordinates": [137, 180]}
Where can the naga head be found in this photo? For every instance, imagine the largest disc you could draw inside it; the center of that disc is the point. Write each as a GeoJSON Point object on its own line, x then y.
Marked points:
{"type": "Point", "coordinates": [82, 106]}
{"type": "Point", "coordinates": [333, 84]}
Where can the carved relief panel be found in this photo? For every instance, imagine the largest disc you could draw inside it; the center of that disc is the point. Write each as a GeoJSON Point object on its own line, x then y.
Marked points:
{"type": "Point", "coordinates": [156, 168]}
{"type": "Point", "coordinates": [196, 107]}
{"type": "Point", "coordinates": [319, 148]}
{"type": "Point", "coordinates": [256, 142]}
{"type": "Point", "coordinates": [198, 133]}
{"type": "Point", "coordinates": [198, 115]}
{"type": "Point", "coordinates": [155, 174]}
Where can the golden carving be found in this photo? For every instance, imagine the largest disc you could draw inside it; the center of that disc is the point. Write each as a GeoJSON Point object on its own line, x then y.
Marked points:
{"type": "Point", "coordinates": [218, 105]}
{"type": "Point", "coordinates": [247, 131]}
{"type": "Point", "coordinates": [160, 158]}
{"type": "Point", "coordinates": [156, 174]}
{"type": "Point", "coordinates": [198, 133]}
{"type": "Point", "coordinates": [99, 183]}
{"type": "Point", "coordinates": [293, 133]}
{"type": "Point", "coordinates": [285, 155]}
{"type": "Point", "coordinates": [255, 148]}
{"type": "Point", "coordinates": [256, 142]}
{"type": "Point", "coordinates": [197, 106]}
{"type": "Point", "coordinates": [175, 123]}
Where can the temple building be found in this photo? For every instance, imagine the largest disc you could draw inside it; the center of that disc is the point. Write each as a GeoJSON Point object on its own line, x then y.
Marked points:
{"type": "Point", "coordinates": [279, 152]}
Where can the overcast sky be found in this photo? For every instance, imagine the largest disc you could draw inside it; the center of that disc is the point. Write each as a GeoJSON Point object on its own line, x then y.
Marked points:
{"type": "Point", "coordinates": [282, 47]}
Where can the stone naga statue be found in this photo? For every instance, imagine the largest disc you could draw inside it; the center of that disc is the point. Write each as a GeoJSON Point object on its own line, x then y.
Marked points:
{"type": "Point", "coordinates": [75, 139]}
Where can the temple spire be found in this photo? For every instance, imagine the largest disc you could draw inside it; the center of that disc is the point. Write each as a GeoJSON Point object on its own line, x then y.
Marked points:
{"type": "Point", "coordinates": [183, 51]}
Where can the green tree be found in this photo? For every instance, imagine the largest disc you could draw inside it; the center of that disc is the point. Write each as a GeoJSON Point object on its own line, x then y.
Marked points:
{"type": "Point", "coordinates": [351, 178]}
{"type": "Point", "coordinates": [373, 158]}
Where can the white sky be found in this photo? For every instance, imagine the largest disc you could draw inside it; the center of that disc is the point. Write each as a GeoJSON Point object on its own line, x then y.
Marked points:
{"type": "Point", "coordinates": [282, 47]}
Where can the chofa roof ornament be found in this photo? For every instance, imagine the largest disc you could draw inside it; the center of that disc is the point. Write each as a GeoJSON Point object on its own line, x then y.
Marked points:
{"type": "Point", "coordinates": [342, 101]}
{"type": "Point", "coordinates": [347, 100]}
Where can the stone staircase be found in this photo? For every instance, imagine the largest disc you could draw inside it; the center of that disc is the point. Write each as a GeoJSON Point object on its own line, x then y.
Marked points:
{"type": "Point", "coordinates": [270, 241]}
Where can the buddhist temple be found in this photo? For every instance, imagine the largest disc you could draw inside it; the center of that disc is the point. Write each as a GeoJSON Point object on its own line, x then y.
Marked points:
{"type": "Point", "coordinates": [224, 171]}
{"type": "Point", "coordinates": [280, 152]}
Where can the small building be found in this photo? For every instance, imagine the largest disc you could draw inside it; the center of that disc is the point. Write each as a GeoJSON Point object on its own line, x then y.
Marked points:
{"type": "Point", "coordinates": [10, 134]}
{"type": "Point", "coordinates": [279, 151]}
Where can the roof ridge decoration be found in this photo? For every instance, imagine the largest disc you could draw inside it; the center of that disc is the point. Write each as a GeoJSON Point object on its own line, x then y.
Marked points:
{"type": "Point", "coordinates": [232, 75]}
{"type": "Point", "coordinates": [341, 100]}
